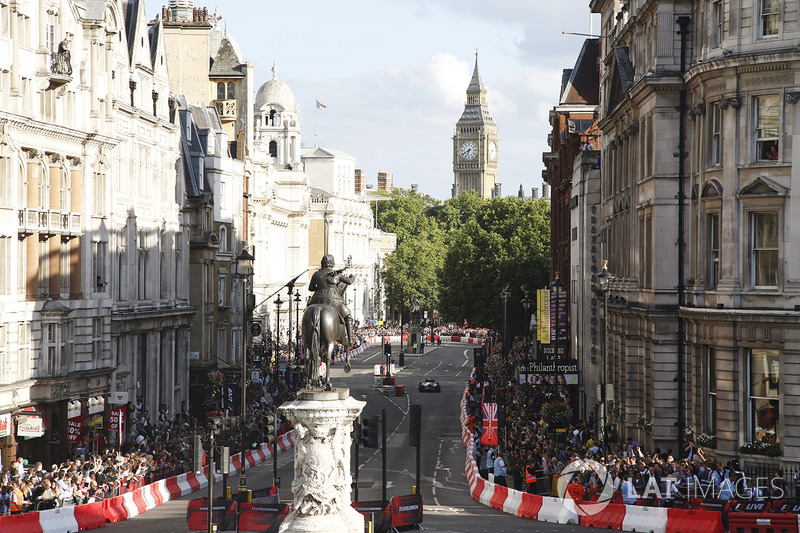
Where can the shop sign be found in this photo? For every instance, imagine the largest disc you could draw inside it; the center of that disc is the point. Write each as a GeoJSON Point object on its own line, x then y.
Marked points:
{"type": "Point", "coordinates": [96, 404]}
{"type": "Point", "coordinates": [30, 426]}
{"type": "Point", "coordinates": [73, 408]}
{"type": "Point", "coordinates": [5, 425]}
{"type": "Point", "coordinates": [96, 422]}
{"type": "Point", "coordinates": [118, 398]}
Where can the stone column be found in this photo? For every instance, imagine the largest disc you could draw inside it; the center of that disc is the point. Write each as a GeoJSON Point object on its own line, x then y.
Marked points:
{"type": "Point", "coordinates": [323, 421]}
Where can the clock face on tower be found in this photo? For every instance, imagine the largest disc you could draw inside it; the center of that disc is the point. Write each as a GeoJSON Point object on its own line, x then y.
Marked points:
{"type": "Point", "coordinates": [492, 151]}
{"type": "Point", "coordinates": [468, 150]}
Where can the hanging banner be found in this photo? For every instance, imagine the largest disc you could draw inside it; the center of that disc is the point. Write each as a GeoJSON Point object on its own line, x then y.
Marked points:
{"type": "Point", "coordinates": [5, 425]}
{"type": "Point", "coordinates": [489, 435]}
{"type": "Point", "coordinates": [118, 398]}
{"type": "Point", "coordinates": [30, 426]}
{"type": "Point", "coordinates": [74, 427]}
{"type": "Point", "coordinates": [96, 404]}
{"type": "Point", "coordinates": [116, 421]}
{"type": "Point", "coordinates": [544, 319]}
{"type": "Point", "coordinates": [558, 317]}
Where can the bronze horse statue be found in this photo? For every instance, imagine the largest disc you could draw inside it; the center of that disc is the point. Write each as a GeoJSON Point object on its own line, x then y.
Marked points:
{"type": "Point", "coordinates": [322, 329]}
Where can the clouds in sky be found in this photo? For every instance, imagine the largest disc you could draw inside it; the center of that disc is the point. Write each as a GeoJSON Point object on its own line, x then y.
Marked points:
{"type": "Point", "coordinates": [394, 74]}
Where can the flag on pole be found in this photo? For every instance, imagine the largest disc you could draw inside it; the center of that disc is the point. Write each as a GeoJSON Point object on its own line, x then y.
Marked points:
{"type": "Point", "coordinates": [489, 435]}
{"type": "Point", "coordinates": [320, 106]}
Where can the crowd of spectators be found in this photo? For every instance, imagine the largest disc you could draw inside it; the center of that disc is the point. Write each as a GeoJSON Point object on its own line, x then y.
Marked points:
{"type": "Point", "coordinates": [150, 450]}
{"type": "Point", "coordinates": [532, 453]}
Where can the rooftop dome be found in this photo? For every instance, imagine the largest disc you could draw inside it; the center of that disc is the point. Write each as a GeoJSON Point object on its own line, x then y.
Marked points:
{"type": "Point", "coordinates": [275, 92]}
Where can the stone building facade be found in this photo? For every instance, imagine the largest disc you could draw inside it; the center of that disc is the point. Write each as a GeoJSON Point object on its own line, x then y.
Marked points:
{"type": "Point", "coordinates": [698, 123]}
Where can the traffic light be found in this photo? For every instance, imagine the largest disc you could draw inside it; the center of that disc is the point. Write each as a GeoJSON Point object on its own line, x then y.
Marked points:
{"type": "Point", "coordinates": [222, 459]}
{"type": "Point", "coordinates": [269, 429]}
{"type": "Point", "coordinates": [387, 349]}
{"type": "Point", "coordinates": [252, 439]}
{"type": "Point", "coordinates": [369, 432]}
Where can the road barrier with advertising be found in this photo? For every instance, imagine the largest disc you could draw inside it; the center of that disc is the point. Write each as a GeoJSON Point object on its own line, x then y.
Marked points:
{"type": "Point", "coordinates": [132, 503]}
{"type": "Point", "coordinates": [262, 517]}
{"type": "Point", "coordinates": [223, 515]}
{"type": "Point", "coordinates": [606, 515]}
{"type": "Point", "coordinates": [406, 510]}
{"type": "Point", "coordinates": [379, 510]}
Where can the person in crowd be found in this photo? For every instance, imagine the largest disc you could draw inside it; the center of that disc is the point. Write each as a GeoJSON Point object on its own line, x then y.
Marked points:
{"type": "Point", "coordinates": [499, 466]}
{"type": "Point", "coordinates": [629, 494]}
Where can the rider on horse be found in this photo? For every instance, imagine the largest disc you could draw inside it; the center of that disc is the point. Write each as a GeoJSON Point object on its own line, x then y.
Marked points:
{"type": "Point", "coordinates": [325, 284]}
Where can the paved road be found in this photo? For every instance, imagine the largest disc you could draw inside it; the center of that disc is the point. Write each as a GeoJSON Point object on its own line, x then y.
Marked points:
{"type": "Point", "coordinates": [448, 506]}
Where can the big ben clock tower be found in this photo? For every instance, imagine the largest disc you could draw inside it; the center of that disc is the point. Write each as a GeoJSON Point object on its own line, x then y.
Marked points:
{"type": "Point", "coordinates": [475, 143]}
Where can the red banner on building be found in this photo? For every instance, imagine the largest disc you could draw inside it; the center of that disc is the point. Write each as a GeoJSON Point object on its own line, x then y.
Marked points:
{"type": "Point", "coordinates": [489, 435]}
{"type": "Point", "coordinates": [74, 427]}
{"type": "Point", "coordinates": [116, 421]}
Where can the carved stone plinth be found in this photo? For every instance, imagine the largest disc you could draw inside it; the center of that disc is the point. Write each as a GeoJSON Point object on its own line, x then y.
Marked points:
{"type": "Point", "coordinates": [323, 421]}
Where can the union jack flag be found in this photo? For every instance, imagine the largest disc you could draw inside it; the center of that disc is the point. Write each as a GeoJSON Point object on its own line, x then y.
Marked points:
{"type": "Point", "coordinates": [489, 435]}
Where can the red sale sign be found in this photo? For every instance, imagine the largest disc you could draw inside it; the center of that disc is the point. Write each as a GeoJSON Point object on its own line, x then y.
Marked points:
{"type": "Point", "coordinates": [116, 421]}
{"type": "Point", "coordinates": [74, 426]}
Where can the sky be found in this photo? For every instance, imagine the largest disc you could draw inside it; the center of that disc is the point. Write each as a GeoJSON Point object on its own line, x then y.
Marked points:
{"type": "Point", "coordinates": [393, 75]}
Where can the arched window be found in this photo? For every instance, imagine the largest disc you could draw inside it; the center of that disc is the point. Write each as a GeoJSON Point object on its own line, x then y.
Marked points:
{"type": "Point", "coordinates": [65, 193]}
{"type": "Point", "coordinates": [221, 91]}
{"type": "Point", "coordinates": [273, 149]}
{"type": "Point", "coordinates": [272, 117]}
{"type": "Point", "coordinates": [223, 239]}
{"type": "Point", "coordinates": [231, 91]}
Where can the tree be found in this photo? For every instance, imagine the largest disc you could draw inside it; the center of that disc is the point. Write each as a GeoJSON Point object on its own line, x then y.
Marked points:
{"type": "Point", "coordinates": [505, 242]}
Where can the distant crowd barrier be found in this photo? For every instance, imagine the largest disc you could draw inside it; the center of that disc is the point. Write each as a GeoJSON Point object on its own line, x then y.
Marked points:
{"type": "Point", "coordinates": [133, 503]}
{"type": "Point", "coordinates": [617, 515]}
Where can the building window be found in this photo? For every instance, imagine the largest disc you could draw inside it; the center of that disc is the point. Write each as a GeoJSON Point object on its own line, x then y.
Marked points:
{"type": "Point", "coordinates": [221, 91]}
{"type": "Point", "coordinates": [223, 235]}
{"type": "Point", "coordinates": [231, 91]}
{"type": "Point", "coordinates": [764, 394]}
{"type": "Point", "coordinates": [65, 192]}
{"type": "Point", "coordinates": [97, 339]}
{"type": "Point", "coordinates": [222, 344]}
{"type": "Point", "coordinates": [711, 391]}
{"type": "Point", "coordinates": [99, 252]}
{"type": "Point", "coordinates": [764, 249]}
{"type": "Point", "coordinates": [767, 116]}
{"type": "Point", "coordinates": [142, 274]}
{"type": "Point", "coordinates": [222, 299]}
{"type": "Point", "coordinates": [49, 350]}
{"type": "Point", "coordinates": [66, 269]}
{"type": "Point", "coordinates": [6, 182]}
{"type": "Point", "coordinates": [716, 23]}
{"type": "Point", "coordinates": [6, 265]}
{"type": "Point", "coordinates": [715, 136]}
{"type": "Point", "coordinates": [273, 149]}
{"type": "Point", "coordinates": [713, 249]}
{"type": "Point", "coordinates": [99, 199]}
{"type": "Point", "coordinates": [44, 268]}
{"type": "Point", "coordinates": [770, 16]}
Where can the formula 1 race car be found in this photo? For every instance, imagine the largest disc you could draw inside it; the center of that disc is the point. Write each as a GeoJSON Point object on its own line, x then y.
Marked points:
{"type": "Point", "coordinates": [430, 385]}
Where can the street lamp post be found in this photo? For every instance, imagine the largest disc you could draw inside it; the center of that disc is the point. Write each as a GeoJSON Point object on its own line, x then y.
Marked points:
{"type": "Point", "coordinates": [243, 265]}
{"type": "Point", "coordinates": [556, 286]}
{"type": "Point", "coordinates": [297, 332]}
{"type": "Point", "coordinates": [505, 294]}
{"type": "Point", "coordinates": [289, 329]}
{"type": "Point", "coordinates": [526, 304]}
{"type": "Point", "coordinates": [605, 278]}
{"type": "Point", "coordinates": [278, 304]}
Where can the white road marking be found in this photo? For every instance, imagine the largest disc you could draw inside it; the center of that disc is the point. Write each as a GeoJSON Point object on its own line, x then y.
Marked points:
{"type": "Point", "coordinates": [434, 368]}
{"type": "Point", "coordinates": [438, 462]}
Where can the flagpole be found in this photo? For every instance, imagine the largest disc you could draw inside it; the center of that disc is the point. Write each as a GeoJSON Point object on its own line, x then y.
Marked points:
{"type": "Point", "coordinates": [316, 111]}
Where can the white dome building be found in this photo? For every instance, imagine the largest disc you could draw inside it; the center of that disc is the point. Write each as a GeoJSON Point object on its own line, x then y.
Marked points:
{"type": "Point", "coordinates": [276, 122]}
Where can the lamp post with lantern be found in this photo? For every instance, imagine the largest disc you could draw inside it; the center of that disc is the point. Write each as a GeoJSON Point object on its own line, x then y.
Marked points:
{"type": "Point", "coordinates": [505, 294]}
{"type": "Point", "coordinates": [242, 269]}
{"type": "Point", "coordinates": [605, 278]}
{"type": "Point", "coordinates": [297, 332]}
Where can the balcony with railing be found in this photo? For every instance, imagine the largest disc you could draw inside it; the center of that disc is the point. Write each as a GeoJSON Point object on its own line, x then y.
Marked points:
{"type": "Point", "coordinates": [60, 68]}
{"type": "Point", "coordinates": [226, 109]}
{"type": "Point", "coordinates": [49, 223]}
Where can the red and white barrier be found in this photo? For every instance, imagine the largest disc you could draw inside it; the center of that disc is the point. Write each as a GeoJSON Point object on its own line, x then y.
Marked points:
{"type": "Point", "coordinates": [550, 509]}
{"type": "Point", "coordinates": [130, 504]}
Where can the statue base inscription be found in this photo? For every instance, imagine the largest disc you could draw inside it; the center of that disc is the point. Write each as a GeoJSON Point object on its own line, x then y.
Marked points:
{"type": "Point", "coordinates": [323, 421]}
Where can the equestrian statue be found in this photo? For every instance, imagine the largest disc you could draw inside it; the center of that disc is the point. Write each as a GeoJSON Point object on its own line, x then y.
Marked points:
{"type": "Point", "coordinates": [326, 321]}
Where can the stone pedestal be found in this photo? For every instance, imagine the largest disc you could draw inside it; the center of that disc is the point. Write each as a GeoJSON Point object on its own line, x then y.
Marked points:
{"type": "Point", "coordinates": [323, 421]}
{"type": "Point", "coordinates": [414, 335]}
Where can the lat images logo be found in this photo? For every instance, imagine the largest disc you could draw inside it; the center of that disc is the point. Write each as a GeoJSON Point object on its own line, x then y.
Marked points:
{"type": "Point", "coordinates": [576, 477]}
